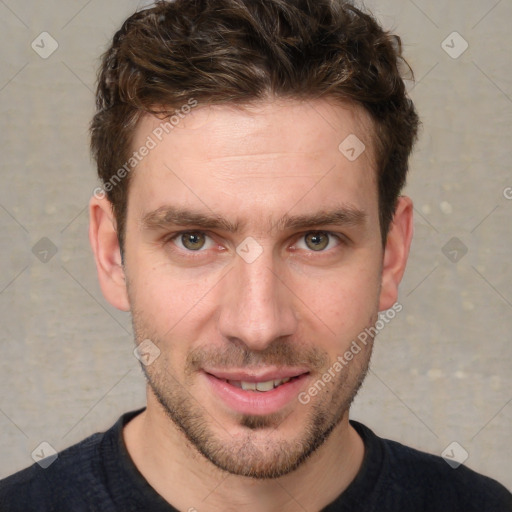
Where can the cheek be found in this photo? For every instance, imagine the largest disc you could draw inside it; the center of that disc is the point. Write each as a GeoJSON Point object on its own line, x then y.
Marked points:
{"type": "Point", "coordinates": [344, 302]}
{"type": "Point", "coordinates": [333, 305]}
{"type": "Point", "coordinates": [167, 299]}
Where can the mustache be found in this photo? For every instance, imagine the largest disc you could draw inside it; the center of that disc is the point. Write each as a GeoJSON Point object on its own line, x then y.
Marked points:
{"type": "Point", "coordinates": [278, 353]}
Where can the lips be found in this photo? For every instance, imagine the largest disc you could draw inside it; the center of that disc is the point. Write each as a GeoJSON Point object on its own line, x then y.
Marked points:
{"type": "Point", "coordinates": [256, 392]}
{"type": "Point", "coordinates": [256, 375]}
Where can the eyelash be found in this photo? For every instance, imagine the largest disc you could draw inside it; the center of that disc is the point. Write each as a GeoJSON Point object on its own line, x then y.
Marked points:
{"type": "Point", "coordinates": [197, 254]}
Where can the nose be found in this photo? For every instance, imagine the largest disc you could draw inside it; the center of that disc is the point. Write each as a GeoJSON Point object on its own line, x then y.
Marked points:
{"type": "Point", "coordinates": [257, 307]}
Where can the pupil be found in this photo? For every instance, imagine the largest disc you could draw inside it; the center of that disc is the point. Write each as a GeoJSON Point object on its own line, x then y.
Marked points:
{"type": "Point", "coordinates": [317, 241]}
{"type": "Point", "coordinates": [193, 240]}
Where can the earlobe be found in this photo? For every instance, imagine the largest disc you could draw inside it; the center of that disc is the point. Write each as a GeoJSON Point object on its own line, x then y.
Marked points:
{"type": "Point", "coordinates": [396, 252]}
{"type": "Point", "coordinates": [107, 254]}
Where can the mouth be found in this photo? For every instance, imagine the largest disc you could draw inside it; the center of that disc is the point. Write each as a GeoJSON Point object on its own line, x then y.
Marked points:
{"type": "Point", "coordinates": [254, 393]}
{"type": "Point", "coordinates": [262, 387]}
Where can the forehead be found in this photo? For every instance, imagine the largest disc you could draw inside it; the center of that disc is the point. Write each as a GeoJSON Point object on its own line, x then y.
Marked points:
{"type": "Point", "coordinates": [267, 157]}
{"type": "Point", "coordinates": [312, 125]}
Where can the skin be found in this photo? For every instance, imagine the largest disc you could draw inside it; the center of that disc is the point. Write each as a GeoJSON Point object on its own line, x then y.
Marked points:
{"type": "Point", "coordinates": [302, 300]}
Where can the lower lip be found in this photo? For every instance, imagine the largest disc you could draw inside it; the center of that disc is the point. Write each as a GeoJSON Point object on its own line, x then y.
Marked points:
{"type": "Point", "coordinates": [256, 402]}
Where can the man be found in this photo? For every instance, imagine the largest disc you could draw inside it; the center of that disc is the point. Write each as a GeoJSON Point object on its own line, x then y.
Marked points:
{"type": "Point", "coordinates": [252, 154]}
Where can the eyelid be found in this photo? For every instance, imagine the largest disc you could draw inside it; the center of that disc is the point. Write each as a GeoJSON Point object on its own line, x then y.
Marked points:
{"type": "Point", "coordinates": [338, 236]}
{"type": "Point", "coordinates": [342, 239]}
{"type": "Point", "coordinates": [172, 237]}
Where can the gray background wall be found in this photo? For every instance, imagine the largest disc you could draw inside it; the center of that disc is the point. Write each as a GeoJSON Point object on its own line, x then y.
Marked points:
{"type": "Point", "coordinates": [441, 369]}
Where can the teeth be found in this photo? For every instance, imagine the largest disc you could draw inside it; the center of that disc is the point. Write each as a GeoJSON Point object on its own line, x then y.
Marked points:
{"type": "Point", "coordinates": [265, 386]}
{"type": "Point", "coordinates": [259, 386]}
{"type": "Point", "coordinates": [248, 386]}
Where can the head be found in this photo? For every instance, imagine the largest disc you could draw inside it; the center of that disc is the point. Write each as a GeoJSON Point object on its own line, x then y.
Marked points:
{"type": "Point", "coordinates": [256, 247]}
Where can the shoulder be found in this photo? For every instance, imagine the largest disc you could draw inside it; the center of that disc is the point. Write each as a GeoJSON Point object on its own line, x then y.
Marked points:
{"type": "Point", "coordinates": [435, 477]}
{"type": "Point", "coordinates": [427, 479]}
{"type": "Point", "coordinates": [64, 482]}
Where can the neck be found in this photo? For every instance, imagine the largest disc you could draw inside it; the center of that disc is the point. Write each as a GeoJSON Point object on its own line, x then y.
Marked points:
{"type": "Point", "coordinates": [188, 481]}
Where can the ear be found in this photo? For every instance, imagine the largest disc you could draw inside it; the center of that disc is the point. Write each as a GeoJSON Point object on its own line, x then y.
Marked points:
{"type": "Point", "coordinates": [396, 252]}
{"type": "Point", "coordinates": [107, 253]}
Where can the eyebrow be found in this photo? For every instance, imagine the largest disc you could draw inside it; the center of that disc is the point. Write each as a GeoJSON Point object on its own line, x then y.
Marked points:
{"type": "Point", "coordinates": [168, 216]}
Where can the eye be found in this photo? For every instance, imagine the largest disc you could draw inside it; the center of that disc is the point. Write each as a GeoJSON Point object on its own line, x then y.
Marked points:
{"type": "Point", "coordinates": [193, 241]}
{"type": "Point", "coordinates": [318, 241]}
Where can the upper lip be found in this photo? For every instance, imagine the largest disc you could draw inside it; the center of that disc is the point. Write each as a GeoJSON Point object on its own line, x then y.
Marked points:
{"type": "Point", "coordinates": [257, 375]}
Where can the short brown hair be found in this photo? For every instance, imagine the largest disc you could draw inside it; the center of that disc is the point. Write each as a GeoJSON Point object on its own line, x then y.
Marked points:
{"type": "Point", "coordinates": [240, 51]}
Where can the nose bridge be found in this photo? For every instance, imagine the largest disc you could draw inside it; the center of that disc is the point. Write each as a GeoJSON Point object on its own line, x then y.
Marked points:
{"type": "Point", "coordinates": [256, 307]}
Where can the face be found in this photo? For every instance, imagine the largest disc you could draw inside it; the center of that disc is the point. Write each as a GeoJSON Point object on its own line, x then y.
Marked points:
{"type": "Point", "coordinates": [253, 258]}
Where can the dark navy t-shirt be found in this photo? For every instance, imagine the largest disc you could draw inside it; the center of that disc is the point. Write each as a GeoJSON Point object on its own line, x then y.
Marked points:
{"type": "Point", "coordinates": [98, 474]}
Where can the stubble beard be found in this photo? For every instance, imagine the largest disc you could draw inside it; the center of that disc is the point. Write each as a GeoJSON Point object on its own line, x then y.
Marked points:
{"type": "Point", "coordinates": [250, 454]}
